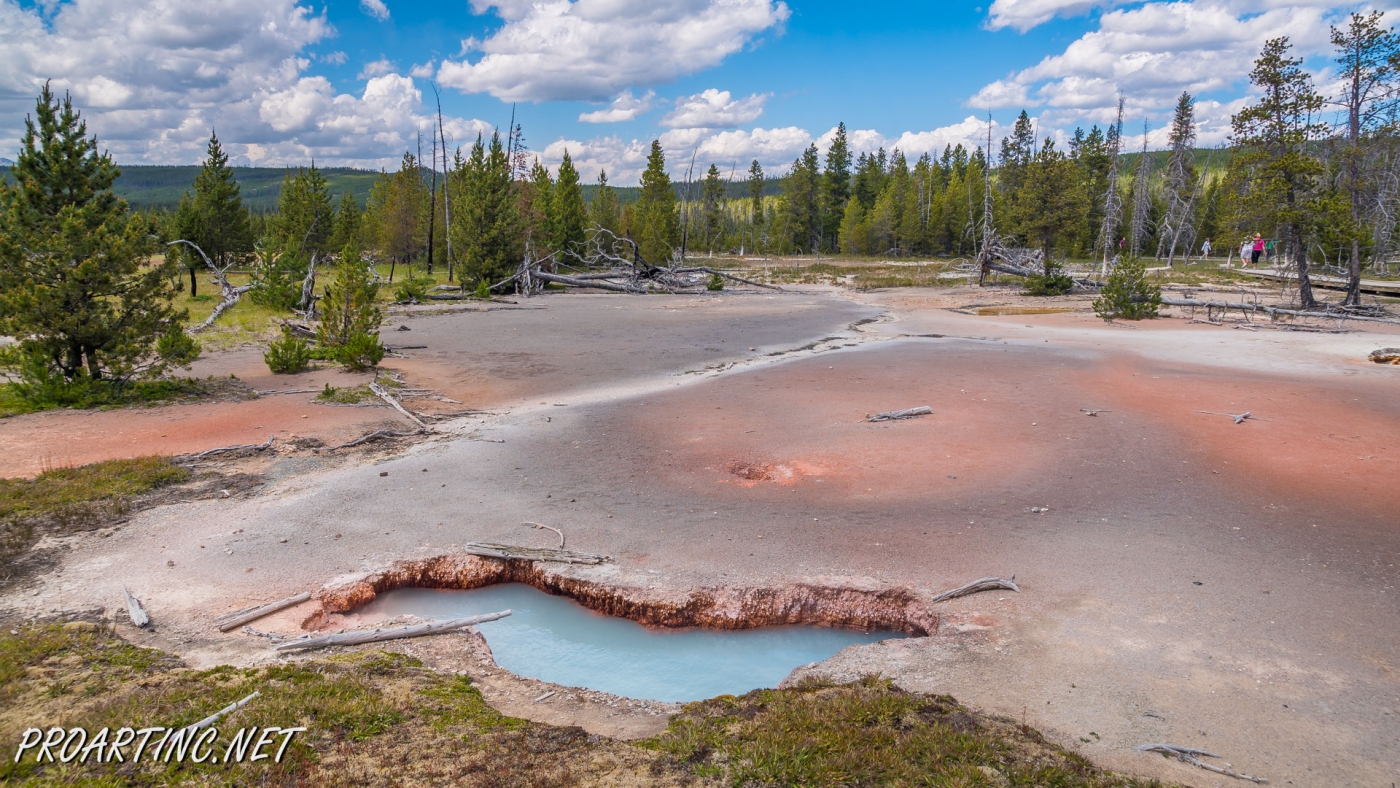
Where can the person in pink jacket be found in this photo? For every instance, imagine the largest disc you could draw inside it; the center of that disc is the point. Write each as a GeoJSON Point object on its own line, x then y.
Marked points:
{"type": "Point", "coordinates": [1257, 250]}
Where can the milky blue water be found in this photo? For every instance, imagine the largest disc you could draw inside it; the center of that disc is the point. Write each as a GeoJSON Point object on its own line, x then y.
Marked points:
{"type": "Point", "coordinates": [555, 639]}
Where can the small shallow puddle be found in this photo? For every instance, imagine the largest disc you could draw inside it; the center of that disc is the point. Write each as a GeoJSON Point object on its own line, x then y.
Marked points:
{"type": "Point", "coordinates": [557, 640]}
{"type": "Point", "coordinates": [1022, 310]}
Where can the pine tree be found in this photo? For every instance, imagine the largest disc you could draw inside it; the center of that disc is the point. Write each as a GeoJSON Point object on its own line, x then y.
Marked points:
{"type": "Point", "coordinates": [755, 192]}
{"type": "Point", "coordinates": [836, 186]}
{"type": "Point", "coordinates": [801, 204]}
{"type": "Point", "coordinates": [396, 218]}
{"type": "Point", "coordinates": [537, 207]}
{"type": "Point", "coordinates": [1276, 135]}
{"type": "Point", "coordinates": [852, 228]}
{"type": "Point", "coordinates": [869, 179]}
{"type": "Point", "coordinates": [605, 211]}
{"type": "Point", "coordinates": [659, 230]}
{"type": "Point", "coordinates": [305, 216]}
{"type": "Point", "coordinates": [350, 320]}
{"type": "Point", "coordinates": [569, 215]}
{"type": "Point", "coordinates": [1017, 150]}
{"type": "Point", "coordinates": [213, 217]}
{"type": "Point", "coordinates": [712, 208]}
{"type": "Point", "coordinates": [349, 222]}
{"type": "Point", "coordinates": [487, 227]}
{"type": "Point", "coordinates": [75, 290]}
{"type": "Point", "coordinates": [1050, 205]}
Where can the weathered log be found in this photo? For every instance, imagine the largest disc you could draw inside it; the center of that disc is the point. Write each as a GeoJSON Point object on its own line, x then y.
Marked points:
{"type": "Point", "coordinates": [239, 617]}
{"type": "Point", "coordinates": [492, 550]}
{"type": "Point", "coordinates": [984, 584]}
{"type": "Point", "coordinates": [223, 449]}
{"type": "Point", "coordinates": [213, 718]}
{"type": "Point", "coordinates": [1274, 310]}
{"type": "Point", "coordinates": [896, 415]}
{"type": "Point", "coordinates": [387, 397]}
{"type": "Point", "coordinates": [135, 610]}
{"type": "Point", "coordinates": [576, 282]}
{"type": "Point", "coordinates": [397, 633]}
{"type": "Point", "coordinates": [1188, 755]}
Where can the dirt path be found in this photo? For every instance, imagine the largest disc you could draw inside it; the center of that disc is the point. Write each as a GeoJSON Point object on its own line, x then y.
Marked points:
{"type": "Point", "coordinates": [1229, 587]}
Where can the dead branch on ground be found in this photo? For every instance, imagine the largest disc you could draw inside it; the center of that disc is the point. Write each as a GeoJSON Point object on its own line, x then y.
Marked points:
{"type": "Point", "coordinates": [231, 293]}
{"type": "Point", "coordinates": [549, 527]}
{"type": "Point", "coordinates": [984, 584]}
{"type": "Point", "coordinates": [239, 617]}
{"type": "Point", "coordinates": [505, 551]}
{"type": "Point", "coordinates": [135, 610]}
{"type": "Point", "coordinates": [377, 435]}
{"type": "Point", "coordinates": [1188, 755]}
{"type": "Point", "coordinates": [226, 449]}
{"type": "Point", "coordinates": [389, 398]}
{"type": "Point", "coordinates": [897, 415]}
{"type": "Point", "coordinates": [378, 635]}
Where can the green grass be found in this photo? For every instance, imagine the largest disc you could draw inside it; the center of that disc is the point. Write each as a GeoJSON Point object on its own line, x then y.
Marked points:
{"type": "Point", "coordinates": [68, 499]}
{"type": "Point", "coordinates": [866, 734]}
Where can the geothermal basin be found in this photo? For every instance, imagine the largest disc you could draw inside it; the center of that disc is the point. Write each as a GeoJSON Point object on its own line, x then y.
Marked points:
{"type": "Point", "coordinates": [557, 640]}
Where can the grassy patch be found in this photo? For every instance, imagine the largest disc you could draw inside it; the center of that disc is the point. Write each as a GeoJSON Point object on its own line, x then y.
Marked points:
{"type": "Point", "coordinates": [15, 400]}
{"type": "Point", "coordinates": [64, 500]}
{"type": "Point", "coordinates": [868, 733]}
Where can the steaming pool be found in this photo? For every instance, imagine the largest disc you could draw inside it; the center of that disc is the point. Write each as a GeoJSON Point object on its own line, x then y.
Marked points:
{"type": "Point", "coordinates": [555, 639]}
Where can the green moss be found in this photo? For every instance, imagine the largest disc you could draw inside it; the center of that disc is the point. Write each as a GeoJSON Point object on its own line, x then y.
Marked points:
{"type": "Point", "coordinates": [458, 703]}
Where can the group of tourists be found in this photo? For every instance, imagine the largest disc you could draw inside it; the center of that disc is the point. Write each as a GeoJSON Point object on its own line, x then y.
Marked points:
{"type": "Point", "coordinates": [1250, 251]}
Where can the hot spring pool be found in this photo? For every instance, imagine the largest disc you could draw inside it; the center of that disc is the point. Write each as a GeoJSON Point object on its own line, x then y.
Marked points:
{"type": "Point", "coordinates": [557, 640]}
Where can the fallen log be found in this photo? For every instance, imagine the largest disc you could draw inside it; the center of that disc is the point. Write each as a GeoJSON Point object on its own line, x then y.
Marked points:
{"type": "Point", "coordinates": [213, 718]}
{"type": "Point", "coordinates": [378, 635]}
{"type": "Point", "coordinates": [896, 415]}
{"type": "Point", "coordinates": [135, 610]}
{"type": "Point", "coordinates": [723, 275]}
{"type": "Point", "coordinates": [239, 617]}
{"type": "Point", "coordinates": [223, 449]}
{"type": "Point", "coordinates": [389, 398]}
{"type": "Point", "coordinates": [377, 435]}
{"type": "Point", "coordinates": [492, 550]}
{"type": "Point", "coordinates": [984, 584]}
{"type": "Point", "coordinates": [1188, 755]}
{"type": "Point", "coordinates": [1274, 311]}
{"type": "Point", "coordinates": [577, 282]}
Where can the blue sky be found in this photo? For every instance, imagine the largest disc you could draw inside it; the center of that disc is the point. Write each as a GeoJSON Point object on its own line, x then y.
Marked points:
{"type": "Point", "coordinates": [349, 81]}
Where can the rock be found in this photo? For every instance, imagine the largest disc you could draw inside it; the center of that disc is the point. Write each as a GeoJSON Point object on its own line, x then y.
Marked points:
{"type": "Point", "coordinates": [1386, 355]}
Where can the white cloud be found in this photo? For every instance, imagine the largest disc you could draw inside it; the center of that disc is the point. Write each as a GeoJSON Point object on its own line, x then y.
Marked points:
{"type": "Point", "coordinates": [1026, 14]}
{"type": "Point", "coordinates": [422, 71]}
{"type": "Point", "coordinates": [625, 107]}
{"type": "Point", "coordinates": [1150, 53]}
{"type": "Point", "coordinates": [153, 78]}
{"type": "Point", "coordinates": [377, 68]}
{"type": "Point", "coordinates": [714, 109]}
{"type": "Point", "coordinates": [376, 9]}
{"type": "Point", "coordinates": [336, 58]}
{"type": "Point", "coordinates": [591, 50]}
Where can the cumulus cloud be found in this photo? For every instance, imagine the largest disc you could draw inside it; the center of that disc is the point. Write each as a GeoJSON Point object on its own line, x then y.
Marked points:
{"type": "Point", "coordinates": [336, 58]}
{"type": "Point", "coordinates": [422, 70]}
{"type": "Point", "coordinates": [590, 50]}
{"type": "Point", "coordinates": [376, 9]}
{"type": "Point", "coordinates": [377, 68]}
{"type": "Point", "coordinates": [625, 107]}
{"type": "Point", "coordinates": [714, 109]}
{"type": "Point", "coordinates": [1026, 14]}
{"type": "Point", "coordinates": [1150, 53]}
{"type": "Point", "coordinates": [153, 78]}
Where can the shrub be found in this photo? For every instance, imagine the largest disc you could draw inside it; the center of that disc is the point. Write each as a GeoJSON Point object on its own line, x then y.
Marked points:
{"type": "Point", "coordinates": [1051, 282]}
{"type": "Point", "coordinates": [177, 348]}
{"type": "Point", "coordinates": [277, 281]}
{"type": "Point", "coordinates": [361, 351]}
{"type": "Point", "coordinates": [348, 308]}
{"type": "Point", "coordinates": [483, 289]}
{"type": "Point", "coordinates": [414, 288]}
{"type": "Point", "coordinates": [288, 355]}
{"type": "Point", "coordinates": [715, 284]}
{"type": "Point", "coordinates": [1127, 294]}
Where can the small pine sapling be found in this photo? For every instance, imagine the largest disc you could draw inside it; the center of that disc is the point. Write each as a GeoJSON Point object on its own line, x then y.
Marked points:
{"type": "Point", "coordinates": [483, 290]}
{"type": "Point", "coordinates": [1053, 282]}
{"type": "Point", "coordinates": [289, 355]}
{"type": "Point", "coordinates": [1127, 294]}
{"type": "Point", "coordinates": [350, 314]}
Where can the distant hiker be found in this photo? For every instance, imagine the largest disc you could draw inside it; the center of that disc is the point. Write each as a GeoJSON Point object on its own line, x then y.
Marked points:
{"type": "Point", "coordinates": [1205, 248]}
{"type": "Point", "coordinates": [1256, 250]}
{"type": "Point", "coordinates": [1269, 252]}
{"type": "Point", "coordinates": [1244, 252]}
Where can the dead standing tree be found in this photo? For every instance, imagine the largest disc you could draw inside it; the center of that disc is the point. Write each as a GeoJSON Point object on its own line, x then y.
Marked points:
{"type": "Point", "coordinates": [1181, 186]}
{"type": "Point", "coordinates": [1142, 199]}
{"type": "Point", "coordinates": [1112, 202]}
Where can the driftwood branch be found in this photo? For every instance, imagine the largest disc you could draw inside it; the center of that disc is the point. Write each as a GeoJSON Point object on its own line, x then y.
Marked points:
{"type": "Point", "coordinates": [231, 293]}
{"type": "Point", "coordinates": [377, 435]}
{"type": "Point", "coordinates": [135, 610]}
{"type": "Point", "coordinates": [389, 398]}
{"type": "Point", "coordinates": [985, 584]}
{"type": "Point", "coordinates": [896, 415]}
{"type": "Point", "coordinates": [492, 550]}
{"type": "Point", "coordinates": [213, 718]}
{"type": "Point", "coordinates": [397, 633]}
{"type": "Point", "coordinates": [225, 449]}
{"type": "Point", "coordinates": [1188, 755]}
{"type": "Point", "coordinates": [549, 527]}
{"type": "Point", "coordinates": [239, 617]}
